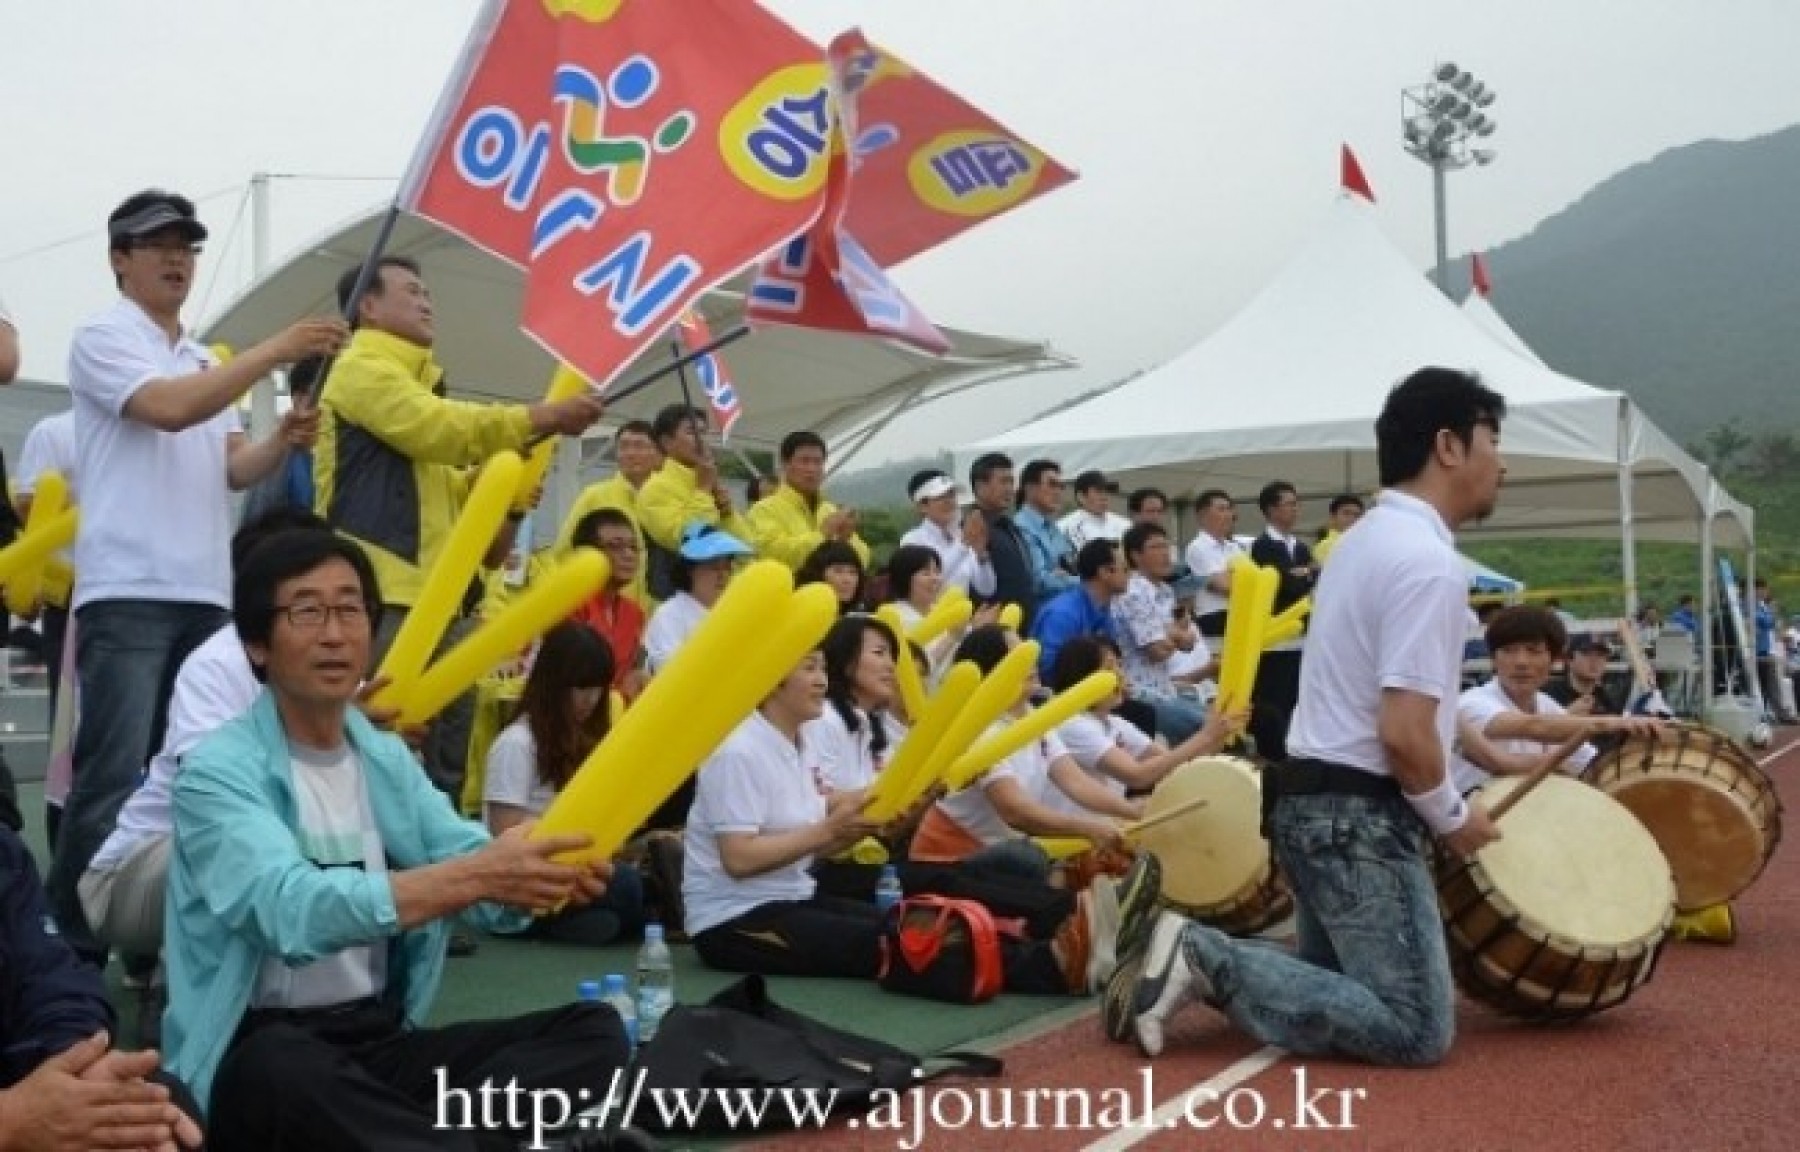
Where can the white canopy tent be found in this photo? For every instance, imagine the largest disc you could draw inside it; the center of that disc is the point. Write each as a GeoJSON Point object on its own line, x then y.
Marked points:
{"type": "Point", "coordinates": [788, 378]}
{"type": "Point", "coordinates": [1291, 385]}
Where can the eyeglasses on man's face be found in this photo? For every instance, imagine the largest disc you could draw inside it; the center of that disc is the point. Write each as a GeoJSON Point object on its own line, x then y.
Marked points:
{"type": "Point", "coordinates": [310, 617]}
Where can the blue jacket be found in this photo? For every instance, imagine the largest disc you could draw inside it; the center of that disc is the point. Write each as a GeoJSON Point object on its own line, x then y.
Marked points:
{"type": "Point", "coordinates": [1052, 556]}
{"type": "Point", "coordinates": [1062, 618]}
{"type": "Point", "coordinates": [49, 999]}
{"type": "Point", "coordinates": [240, 891]}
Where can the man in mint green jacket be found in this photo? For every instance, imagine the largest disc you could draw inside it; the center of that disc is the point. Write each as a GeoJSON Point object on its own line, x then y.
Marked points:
{"type": "Point", "coordinates": [312, 880]}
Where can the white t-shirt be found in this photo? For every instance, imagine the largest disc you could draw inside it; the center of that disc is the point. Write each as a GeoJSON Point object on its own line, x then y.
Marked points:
{"type": "Point", "coordinates": [49, 447]}
{"type": "Point", "coordinates": [1206, 558]}
{"type": "Point", "coordinates": [1089, 737]}
{"type": "Point", "coordinates": [1388, 612]}
{"type": "Point", "coordinates": [336, 830]}
{"type": "Point", "coordinates": [846, 761]}
{"type": "Point", "coordinates": [1081, 526]}
{"type": "Point", "coordinates": [1477, 708]}
{"type": "Point", "coordinates": [214, 686]}
{"type": "Point", "coordinates": [756, 782]}
{"type": "Point", "coordinates": [956, 560]}
{"type": "Point", "coordinates": [155, 510]}
{"type": "Point", "coordinates": [975, 814]}
{"type": "Point", "coordinates": [673, 622]}
{"type": "Point", "coordinates": [512, 772]}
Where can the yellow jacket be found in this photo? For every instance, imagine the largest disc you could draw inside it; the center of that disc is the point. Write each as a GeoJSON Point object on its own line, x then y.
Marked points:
{"type": "Point", "coordinates": [784, 527]}
{"type": "Point", "coordinates": [613, 492]}
{"type": "Point", "coordinates": [671, 500]}
{"type": "Point", "coordinates": [391, 465]}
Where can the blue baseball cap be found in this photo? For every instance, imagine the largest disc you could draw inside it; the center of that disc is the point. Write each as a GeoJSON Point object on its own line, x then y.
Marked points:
{"type": "Point", "coordinates": [701, 542]}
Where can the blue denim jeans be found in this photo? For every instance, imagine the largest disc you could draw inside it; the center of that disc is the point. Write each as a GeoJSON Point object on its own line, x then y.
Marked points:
{"type": "Point", "coordinates": [127, 653]}
{"type": "Point", "coordinates": [1371, 979]}
{"type": "Point", "coordinates": [1177, 717]}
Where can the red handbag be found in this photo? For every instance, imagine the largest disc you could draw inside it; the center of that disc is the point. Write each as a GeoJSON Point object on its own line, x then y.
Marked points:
{"type": "Point", "coordinates": [942, 948]}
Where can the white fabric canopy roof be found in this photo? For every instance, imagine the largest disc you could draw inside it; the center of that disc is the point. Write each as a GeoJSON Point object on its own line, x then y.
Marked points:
{"type": "Point", "coordinates": [1483, 316]}
{"type": "Point", "coordinates": [1290, 387]}
{"type": "Point", "coordinates": [788, 378]}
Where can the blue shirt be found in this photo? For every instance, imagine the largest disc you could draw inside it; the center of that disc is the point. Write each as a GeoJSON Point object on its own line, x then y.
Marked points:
{"type": "Point", "coordinates": [1683, 618]}
{"type": "Point", "coordinates": [1062, 618]}
{"type": "Point", "coordinates": [1048, 550]}
{"type": "Point", "coordinates": [1765, 629]}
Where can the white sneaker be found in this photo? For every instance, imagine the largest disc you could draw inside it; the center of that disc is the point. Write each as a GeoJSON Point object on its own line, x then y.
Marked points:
{"type": "Point", "coordinates": [1167, 984]}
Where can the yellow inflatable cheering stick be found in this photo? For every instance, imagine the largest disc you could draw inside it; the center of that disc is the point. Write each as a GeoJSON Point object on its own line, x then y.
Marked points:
{"type": "Point", "coordinates": [565, 384]}
{"type": "Point", "coordinates": [26, 584]}
{"type": "Point", "coordinates": [906, 777]}
{"type": "Point", "coordinates": [750, 641]}
{"type": "Point", "coordinates": [1058, 710]}
{"type": "Point", "coordinates": [448, 580]}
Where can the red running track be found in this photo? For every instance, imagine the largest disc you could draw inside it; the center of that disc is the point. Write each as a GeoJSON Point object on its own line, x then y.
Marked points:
{"type": "Point", "coordinates": [1703, 1057]}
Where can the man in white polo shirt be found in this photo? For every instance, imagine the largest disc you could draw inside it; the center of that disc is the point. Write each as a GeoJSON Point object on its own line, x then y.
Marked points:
{"type": "Point", "coordinates": [1209, 556]}
{"type": "Point", "coordinates": [159, 449]}
{"type": "Point", "coordinates": [1368, 781]}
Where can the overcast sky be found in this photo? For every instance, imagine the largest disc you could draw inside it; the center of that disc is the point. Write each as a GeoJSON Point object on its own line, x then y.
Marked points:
{"type": "Point", "coordinates": [1206, 135]}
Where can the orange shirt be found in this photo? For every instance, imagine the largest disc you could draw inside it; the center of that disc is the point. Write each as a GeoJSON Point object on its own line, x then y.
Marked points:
{"type": "Point", "coordinates": [620, 622]}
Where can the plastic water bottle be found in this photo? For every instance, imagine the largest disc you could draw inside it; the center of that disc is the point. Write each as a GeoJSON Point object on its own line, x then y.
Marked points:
{"type": "Point", "coordinates": [655, 982]}
{"type": "Point", "coordinates": [887, 889]}
{"type": "Point", "coordinates": [588, 991]}
{"type": "Point", "coordinates": [614, 993]}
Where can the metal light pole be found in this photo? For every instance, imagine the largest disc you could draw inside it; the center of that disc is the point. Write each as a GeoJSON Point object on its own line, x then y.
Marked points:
{"type": "Point", "coordinates": [1439, 120]}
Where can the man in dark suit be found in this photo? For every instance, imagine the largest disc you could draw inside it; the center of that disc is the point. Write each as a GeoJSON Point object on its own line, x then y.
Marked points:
{"type": "Point", "coordinates": [1277, 687]}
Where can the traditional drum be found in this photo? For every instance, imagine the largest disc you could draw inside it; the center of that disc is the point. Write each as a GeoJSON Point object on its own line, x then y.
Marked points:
{"type": "Point", "coordinates": [1710, 807]}
{"type": "Point", "coordinates": [1216, 866]}
{"type": "Point", "coordinates": [1564, 915]}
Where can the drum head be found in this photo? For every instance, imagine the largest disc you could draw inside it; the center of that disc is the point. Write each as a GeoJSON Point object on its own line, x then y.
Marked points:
{"type": "Point", "coordinates": [1213, 854]}
{"type": "Point", "coordinates": [1576, 864]}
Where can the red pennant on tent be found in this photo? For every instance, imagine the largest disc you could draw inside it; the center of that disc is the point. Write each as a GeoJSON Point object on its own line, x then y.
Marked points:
{"type": "Point", "coordinates": [1351, 176]}
{"type": "Point", "coordinates": [1479, 273]}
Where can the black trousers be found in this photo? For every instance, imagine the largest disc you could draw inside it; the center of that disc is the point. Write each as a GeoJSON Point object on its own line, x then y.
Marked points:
{"type": "Point", "coordinates": [831, 936]}
{"type": "Point", "coordinates": [1042, 907]}
{"type": "Point", "coordinates": [359, 1080]}
{"type": "Point", "coordinates": [1272, 701]}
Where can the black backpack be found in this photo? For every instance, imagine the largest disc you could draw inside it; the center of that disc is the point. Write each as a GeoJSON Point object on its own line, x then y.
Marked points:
{"type": "Point", "coordinates": [743, 1045]}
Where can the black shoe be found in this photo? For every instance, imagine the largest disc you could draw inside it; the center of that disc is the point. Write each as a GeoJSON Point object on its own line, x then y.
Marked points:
{"type": "Point", "coordinates": [462, 943]}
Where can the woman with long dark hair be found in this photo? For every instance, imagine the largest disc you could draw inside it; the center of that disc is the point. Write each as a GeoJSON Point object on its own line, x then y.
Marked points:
{"type": "Point", "coordinates": [835, 563]}
{"type": "Point", "coordinates": [564, 711]}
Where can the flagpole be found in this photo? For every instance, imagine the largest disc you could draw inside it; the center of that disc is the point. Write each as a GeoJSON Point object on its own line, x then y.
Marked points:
{"type": "Point", "coordinates": [364, 277]}
{"type": "Point", "coordinates": [614, 395]}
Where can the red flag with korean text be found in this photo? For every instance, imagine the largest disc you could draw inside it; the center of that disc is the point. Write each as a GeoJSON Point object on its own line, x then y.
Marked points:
{"type": "Point", "coordinates": [825, 278]}
{"type": "Point", "coordinates": [727, 403]}
{"type": "Point", "coordinates": [929, 165]}
{"type": "Point", "coordinates": [628, 155]}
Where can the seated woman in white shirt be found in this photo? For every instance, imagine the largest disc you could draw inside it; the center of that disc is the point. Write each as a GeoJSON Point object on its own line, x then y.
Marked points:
{"type": "Point", "coordinates": [915, 580]}
{"type": "Point", "coordinates": [565, 709]}
{"type": "Point", "coordinates": [761, 817]}
{"type": "Point", "coordinates": [987, 827]}
{"type": "Point", "coordinates": [836, 564]}
{"type": "Point", "coordinates": [1113, 751]}
{"type": "Point", "coordinates": [1509, 723]}
{"type": "Point", "coordinates": [702, 570]}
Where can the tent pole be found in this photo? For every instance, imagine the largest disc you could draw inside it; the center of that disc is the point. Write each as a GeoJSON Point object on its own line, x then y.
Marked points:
{"type": "Point", "coordinates": [1749, 610]}
{"type": "Point", "coordinates": [1706, 601]}
{"type": "Point", "coordinates": [1627, 517]}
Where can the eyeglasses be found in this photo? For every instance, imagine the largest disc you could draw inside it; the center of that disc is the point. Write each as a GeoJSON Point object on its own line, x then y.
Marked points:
{"type": "Point", "coordinates": [311, 617]}
{"type": "Point", "coordinates": [618, 546]}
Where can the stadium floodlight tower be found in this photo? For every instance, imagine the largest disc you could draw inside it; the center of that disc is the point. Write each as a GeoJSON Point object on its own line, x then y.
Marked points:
{"type": "Point", "coordinates": [1441, 121]}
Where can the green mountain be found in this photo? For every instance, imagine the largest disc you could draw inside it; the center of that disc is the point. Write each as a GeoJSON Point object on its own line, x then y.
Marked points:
{"type": "Point", "coordinates": [1675, 281]}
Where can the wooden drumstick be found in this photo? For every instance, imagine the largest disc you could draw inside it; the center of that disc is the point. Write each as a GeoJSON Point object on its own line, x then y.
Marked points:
{"type": "Point", "coordinates": [1536, 776]}
{"type": "Point", "coordinates": [1139, 827]}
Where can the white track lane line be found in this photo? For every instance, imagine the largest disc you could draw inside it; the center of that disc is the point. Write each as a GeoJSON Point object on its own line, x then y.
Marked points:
{"type": "Point", "coordinates": [1175, 1107]}
{"type": "Point", "coordinates": [1778, 754]}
